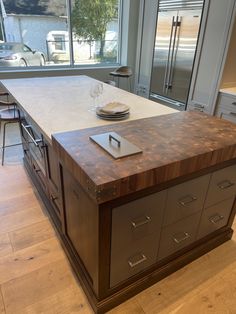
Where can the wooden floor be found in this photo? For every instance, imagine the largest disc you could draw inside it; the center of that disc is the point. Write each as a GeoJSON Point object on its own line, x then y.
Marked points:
{"type": "Point", "coordinates": [35, 276]}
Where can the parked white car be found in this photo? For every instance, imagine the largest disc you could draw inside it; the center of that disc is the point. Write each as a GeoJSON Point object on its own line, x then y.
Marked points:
{"type": "Point", "coordinates": [17, 54]}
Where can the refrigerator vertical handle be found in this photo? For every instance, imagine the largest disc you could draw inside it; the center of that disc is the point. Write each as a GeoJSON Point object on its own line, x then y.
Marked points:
{"type": "Point", "coordinates": [174, 51]}
{"type": "Point", "coordinates": [168, 57]}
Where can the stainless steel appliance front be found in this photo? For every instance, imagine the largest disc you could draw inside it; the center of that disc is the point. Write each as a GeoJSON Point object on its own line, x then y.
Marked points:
{"type": "Point", "coordinates": [177, 31]}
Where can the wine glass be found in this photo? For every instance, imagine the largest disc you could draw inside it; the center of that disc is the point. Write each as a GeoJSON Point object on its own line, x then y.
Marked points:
{"type": "Point", "coordinates": [95, 91]}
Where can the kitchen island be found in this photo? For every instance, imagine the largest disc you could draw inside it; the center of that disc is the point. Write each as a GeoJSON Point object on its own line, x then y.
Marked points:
{"type": "Point", "coordinates": [127, 223]}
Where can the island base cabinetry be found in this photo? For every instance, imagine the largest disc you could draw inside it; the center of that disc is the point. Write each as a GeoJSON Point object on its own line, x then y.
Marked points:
{"type": "Point", "coordinates": [125, 245]}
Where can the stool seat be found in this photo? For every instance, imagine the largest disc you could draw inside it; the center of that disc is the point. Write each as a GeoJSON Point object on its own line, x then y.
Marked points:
{"type": "Point", "coordinates": [9, 114]}
{"type": "Point", "coordinates": [123, 72]}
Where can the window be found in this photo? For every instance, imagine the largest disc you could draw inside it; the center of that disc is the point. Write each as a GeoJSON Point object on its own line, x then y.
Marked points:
{"type": "Point", "coordinates": [60, 32]}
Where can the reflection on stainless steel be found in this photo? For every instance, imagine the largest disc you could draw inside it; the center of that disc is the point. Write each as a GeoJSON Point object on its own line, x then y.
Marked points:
{"type": "Point", "coordinates": [175, 46]}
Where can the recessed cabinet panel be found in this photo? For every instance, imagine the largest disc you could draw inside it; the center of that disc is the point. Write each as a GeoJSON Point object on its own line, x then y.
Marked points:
{"type": "Point", "coordinates": [186, 199]}
{"type": "Point", "coordinates": [179, 235]}
{"type": "Point", "coordinates": [81, 222]}
{"type": "Point", "coordinates": [215, 217]}
{"type": "Point", "coordinates": [222, 186]}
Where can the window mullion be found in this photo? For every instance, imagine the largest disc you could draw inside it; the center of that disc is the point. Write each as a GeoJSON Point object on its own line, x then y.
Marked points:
{"type": "Point", "coordinates": [69, 10]}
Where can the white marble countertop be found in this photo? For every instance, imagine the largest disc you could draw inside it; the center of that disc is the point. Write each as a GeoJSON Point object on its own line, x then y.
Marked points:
{"type": "Point", "coordinates": [229, 91]}
{"type": "Point", "coordinates": [59, 104]}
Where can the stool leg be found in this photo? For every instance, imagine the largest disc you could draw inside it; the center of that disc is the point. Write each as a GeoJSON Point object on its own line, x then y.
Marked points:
{"type": "Point", "coordinates": [3, 142]}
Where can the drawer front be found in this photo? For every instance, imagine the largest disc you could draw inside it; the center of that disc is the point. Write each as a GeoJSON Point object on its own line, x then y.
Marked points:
{"type": "Point", "coordinates": [186, 199]}
{"type": "Point", "coordinates": [227, 101]}
{"type": "Point", "coordinates": [215, 217]}
{"type": "Point", "coordinates": [222, 186]}
{"type": "Point", "coordinates": [178, 235]}
{"type": "Point", "coordinates": [137, 219]}
{"type": "Point", "coordinates": [226, 114]}
{"type": "Point", "coordinates": [130, 260]}
{"type": "Point", "coordinates": [136, 229]}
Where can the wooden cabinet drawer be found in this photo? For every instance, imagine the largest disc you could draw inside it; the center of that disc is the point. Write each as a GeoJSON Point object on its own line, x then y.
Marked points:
{"type": "Point", "coordinates": [185, 199]}
{"type": "Point", "coordinates": [215, 217]}
{"type": "Point", "coordinates": [179, 235]}
{"type": "Point", "coordinates": [129, 260]}
{"type": "Point", "coordinates": [222, 186]}
{"type": "Point", "coordinates": [136, 228]}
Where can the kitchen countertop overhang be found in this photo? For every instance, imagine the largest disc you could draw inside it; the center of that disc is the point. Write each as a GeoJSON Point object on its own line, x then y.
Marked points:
{"type": "Point", "coordinates": [173, 146]}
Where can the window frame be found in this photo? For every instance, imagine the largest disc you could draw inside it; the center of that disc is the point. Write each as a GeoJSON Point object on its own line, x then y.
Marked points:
{"type": "Point", "coordinates": [72, 65]}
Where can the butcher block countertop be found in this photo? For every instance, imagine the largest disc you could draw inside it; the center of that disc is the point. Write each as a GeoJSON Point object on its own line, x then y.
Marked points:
{"type": "Point", "coordinates": [59, 104]}
{"type": "Point", "coordinates": [173, 145]}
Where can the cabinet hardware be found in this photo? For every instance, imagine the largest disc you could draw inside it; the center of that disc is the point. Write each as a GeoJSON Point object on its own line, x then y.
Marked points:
{"type": "Point", "coordinates": [141, 223]}
{"type": "Point", "coordinates": [115, 139]}
{"type": "Point", "coordinates": [53, 198]}
{"type": "Point", "coordinates": [234, 103]}
{"type": "Point", "coordinates": [198, 109]}
{"type": "Point", "coordinates": [35, 141]}
{"type": "Point", "coordinates": [179, 240]}
{"type": "Point", "coordinates": [216, 218]}
{"type": "Point", "coordinates": [187, 200]}
{"type": "Point", "coordinates": [225, 184]}
{"type": "Point", "coordinates": [199, 106]}
{"type": "Point", "coordinates": [233, 113]}
{"type": "Point", "coordinates": [133, 264]}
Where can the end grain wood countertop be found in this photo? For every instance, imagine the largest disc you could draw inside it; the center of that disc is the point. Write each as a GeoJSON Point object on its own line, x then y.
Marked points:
{"type": "Point", "coordinates": [173, 145]}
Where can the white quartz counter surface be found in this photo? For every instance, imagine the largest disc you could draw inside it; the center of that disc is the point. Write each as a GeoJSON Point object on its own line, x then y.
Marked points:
{"type": "Point", "coordinates": [59, 104]}
{"type": "Point", "coordinates": [229, 91]}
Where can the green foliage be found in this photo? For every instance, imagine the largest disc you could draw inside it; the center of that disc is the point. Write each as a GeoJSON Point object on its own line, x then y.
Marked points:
{"type": "Point", "coordinates": [90, 18]}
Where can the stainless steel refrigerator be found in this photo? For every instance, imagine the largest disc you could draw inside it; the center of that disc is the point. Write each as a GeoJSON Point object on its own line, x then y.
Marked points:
{"type": "Point", "coordinates": [177, 30]}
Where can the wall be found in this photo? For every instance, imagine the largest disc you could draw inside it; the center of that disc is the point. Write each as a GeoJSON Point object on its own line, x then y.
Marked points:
{"type": "Point", "coordinates": [229, 74]}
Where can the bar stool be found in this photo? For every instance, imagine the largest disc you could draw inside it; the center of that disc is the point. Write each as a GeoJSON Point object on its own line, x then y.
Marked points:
{"type": "Point", "coordinates": [7, 116]}
{"type": "Point", "coordinates": [123, 72]}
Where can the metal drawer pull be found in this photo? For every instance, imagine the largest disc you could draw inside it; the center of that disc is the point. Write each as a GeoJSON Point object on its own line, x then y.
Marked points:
{"type": "Point", "coordinates": [115, 139]}
{"type": "Point", "coordinates": [179, 240]}
{"type": "Point", "coordinates": [26, 127]}
{"type": "Point", "coordinates": [199, 106]}
{"type": "Point", "coordinates": [225, 184]}
{"type": "Point", "coordinates": [233, 113]}
{"type": "Point", "coordinates": [198, 109]}
{"type": "Point", "coordinates": [216, 218]}
{"type": "Point", "coordinates": [234, 103]}
{"type": "Point", "coordinates": [141, 223]}
{"type": "Point", "coordinates": [187, 200]}
{"type": "Point", "coordinates": [133, 264]}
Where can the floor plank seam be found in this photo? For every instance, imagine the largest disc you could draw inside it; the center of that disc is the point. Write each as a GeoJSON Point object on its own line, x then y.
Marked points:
{"type": "Point", "coordinates": [3, 301]}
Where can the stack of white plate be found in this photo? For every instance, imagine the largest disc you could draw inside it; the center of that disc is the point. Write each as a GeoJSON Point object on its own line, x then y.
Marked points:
{"type": "Point", "coordinates": [113, 111]}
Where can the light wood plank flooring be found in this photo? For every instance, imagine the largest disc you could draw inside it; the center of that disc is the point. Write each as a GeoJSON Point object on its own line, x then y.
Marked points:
{"type": "Point", "coordinates": [35, 276]}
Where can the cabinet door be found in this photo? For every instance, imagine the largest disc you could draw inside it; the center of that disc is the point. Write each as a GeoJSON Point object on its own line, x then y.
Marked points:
{"type": "Point", "coordinates": [81, 223]}
{"type": "Point", "coordinates": [210, 58]}
{"type": "Point", "coordinates": [54, 180]}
